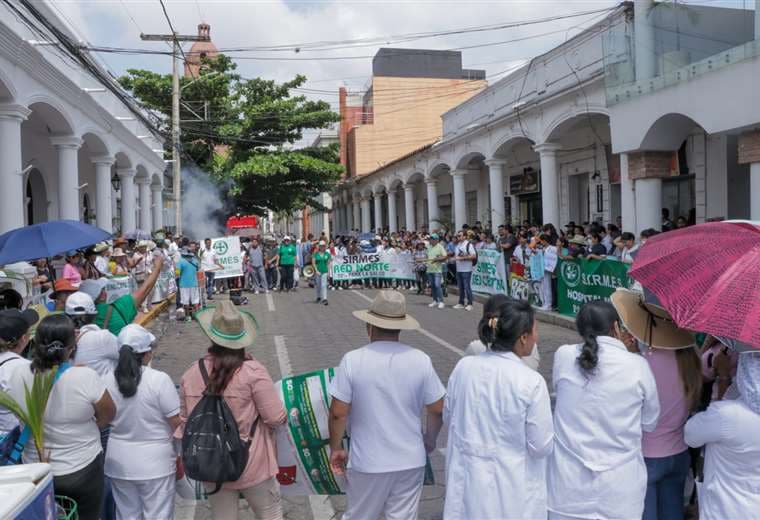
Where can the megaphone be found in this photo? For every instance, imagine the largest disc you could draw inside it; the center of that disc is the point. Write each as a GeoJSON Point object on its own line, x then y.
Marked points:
{"type": "Point", "coordinates": [308, 272]}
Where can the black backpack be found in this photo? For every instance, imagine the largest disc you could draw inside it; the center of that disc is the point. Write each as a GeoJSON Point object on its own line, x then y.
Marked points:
{"type": "Point", "coordinates": [474, 260]}
{"type": "Point", "coordinates": [212, 450]}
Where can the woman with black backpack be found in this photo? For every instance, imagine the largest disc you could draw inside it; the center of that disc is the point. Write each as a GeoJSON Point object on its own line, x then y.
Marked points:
{"type": "Point", "coordinates": [229, 409]}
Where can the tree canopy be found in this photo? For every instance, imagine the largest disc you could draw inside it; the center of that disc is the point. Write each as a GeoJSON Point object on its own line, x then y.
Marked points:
{"type": "Point", "coordinates": [244, 131]}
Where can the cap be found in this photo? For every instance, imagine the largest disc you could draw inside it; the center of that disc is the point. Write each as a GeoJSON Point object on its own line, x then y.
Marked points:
{"type": "Point", "coordinates": [93, 288]}
{"type": "Point", "coordinates": [80, 304]}
{"type": "Point", "coordinates": [72, 253]}
{"type": "Point", "coordinates": [136, 337]}
{"type": "Point", "coordinates": [15, 323]}
{"type": "Point", "coordinates": [64, 285]}
{"type": "Point", "coordinates": [286, 237]}
{"type": "Point", "coordinates": [435, 236]}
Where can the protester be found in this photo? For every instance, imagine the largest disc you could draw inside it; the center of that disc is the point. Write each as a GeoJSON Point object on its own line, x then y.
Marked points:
{"type": "Point", "coordinates": [606, 396]}
{"type": "Point", "coordinates": [420, 257]}
{"type": "Point", "coordinates": [728, 431]}
{"type": "Point", "coordinates": [320, 260]}
{"type": "Point", "coordinates": [14, 338]}
{"type": "Point", "coordinates": [495, 400]}
{"type": "Point", "coordinates": [71, 268]}
{"type": "Point", "coordinates": [628, 247]}
{"type": "Point", "coordinates": [78, 406]}
{"type": "Point", "coordinates": [286, 261]}
{"type": "Point", "coordinates": [140, 459]}
{"type": "Point", "coordinates": [96, 348]}
{"type": "Point", "coordinates": [464, 255]}
{"type": "Point", "coordinates": [251, 396]}
{"type": "Point", "coordinates": [209, 264]}
{"type": "Point", "coordinates": [63, 288]}
{"type": "Point", "coordinates": [89, 268]}
{"type": "Point", "coordinates": [436, 256]}
{"type": "Point", "coordinates": [119, 264]}
{"type": "Point", "coordinates": [258, 276]}
{"type": "Point", "coordinates": [379, 392]}
{"type": "Point", "coordinates": [189, 292]}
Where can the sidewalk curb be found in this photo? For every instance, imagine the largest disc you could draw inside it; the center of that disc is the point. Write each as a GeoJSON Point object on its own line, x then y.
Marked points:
{"type": "Point", "coordinates": [552, 318]}
{"type": "Point", "coordinates": [145, 319]}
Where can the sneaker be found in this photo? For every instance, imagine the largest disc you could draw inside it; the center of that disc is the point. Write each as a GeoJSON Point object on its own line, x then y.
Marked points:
{"type": "Point", "coordinates": [468, 307]}
{"type": "Point", "coordinates": [441, 305]}
{"type": "Point", "coordinates": [433, 304]}
{"type": "Point", "coordinates": [266, 292]}
{"type": "Point", "coordinates": [210, 298]}
{"type": "Point", "coordinates": [458, 306]}
{"type": "Point", "coordinates": [256, 292]}
{"type": "Point", "coordinates": [324, 302]}
{"type": "Point", "coordinates": [319, 300]}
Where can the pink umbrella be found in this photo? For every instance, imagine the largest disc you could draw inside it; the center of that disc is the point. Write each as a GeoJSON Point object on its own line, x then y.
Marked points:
{"type": "Point", "coordinates": [707, 277]}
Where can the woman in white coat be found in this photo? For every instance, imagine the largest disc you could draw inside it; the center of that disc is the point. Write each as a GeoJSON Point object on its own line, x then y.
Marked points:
{"type": "Point", "coordinates": [500, 425]}
{"type": "Point", "coordinates": [606, 396]}
{"type": "Point", "coordinates": [140, 459]}
{"type": "Point", "coordinates": [729, 431]}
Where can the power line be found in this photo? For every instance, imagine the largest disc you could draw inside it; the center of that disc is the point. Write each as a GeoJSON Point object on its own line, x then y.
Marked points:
{"type": "Point", "coordinates": [176, 41]}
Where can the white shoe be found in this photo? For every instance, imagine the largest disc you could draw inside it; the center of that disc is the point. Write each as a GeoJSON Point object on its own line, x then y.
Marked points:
{"type": "Point", "coordinates": [266, 292]}
{"type": "Point", "coordinates": [256, 292]}
{"type": "Point", "coordinates": [468, 307]}
{"type": "Point", "coordinates": [433, 304]}
{"type": "Point", "coordinates": [441, 305]}
{"type": "Point", "coordinates": [458, 306]}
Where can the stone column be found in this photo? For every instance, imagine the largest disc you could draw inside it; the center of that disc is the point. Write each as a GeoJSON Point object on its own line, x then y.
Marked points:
{"type": "Point", "coordinates": [366, 225]}
{"type": "Point", "coordinates": [549, 182]}
{"type": "Point", "coordinates": [749, 153]}
{"type": "Point", "coordinates": [460, 210]}
{"type": "Point", "coordinates": [356, 222]}
{"type": "Point", "coordinates": [392, 213]}
{"type": "Point", "coordinates": [757, 20]}
{"type": "Point", "coordinates": [68, 175]}
{"type": "Point", "coordinates": [157, 206]}
{"type": "Point", "coordinates": [12, 207]}
{"type": "Point", "coordinates": [515, 215]}
{"type": "Point", "coordinates": [409, 207]}
{"type": "Point", "coordinates": [646, 170]}
{"type": "Point", "coordinates": [627, 196]}
{"type": "Point", "coordinates": [103, 209]}
{"type": "Point", "coordinates": [143, 188]}
{"type": "Point", "coordinates": [644, 40]}
{"type": "Point", "coordinates": [127, 177]}
{"type": "Point", "coordinates": [496, 179]}
{"type": "Point", "coordinates": [378, 210]}
{"type": "Point", "coordinates": [434, 221]}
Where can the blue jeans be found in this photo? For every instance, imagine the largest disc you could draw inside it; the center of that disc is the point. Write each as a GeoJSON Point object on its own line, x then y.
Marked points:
{"type": "Point", "coordinates": [666, 477]}
{"type": "Point", "coordinates": [465, 288]}
{"type": "Point", "coordinates": [435, 286]}
{"type": "Point", "coordinates": [210, 284]}
{"type": "Point", "coordinates": [320, 284]}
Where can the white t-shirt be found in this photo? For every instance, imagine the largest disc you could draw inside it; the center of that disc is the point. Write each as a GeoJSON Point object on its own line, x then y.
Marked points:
{"type": "Point", "coordinates": [72, 438]}
{"type": "Point", "coordinates": [140, 446]}
{"type": "Point", "coordinates": [97, 349]}
{"type": "Point", "coordinates": [9, 362]}
{"type": "Point", "coordinates": [464, 248]}
{"type": "Point", "coordinates": [208, 260]}
{"type": "Point", "coordinates": [388, 384]}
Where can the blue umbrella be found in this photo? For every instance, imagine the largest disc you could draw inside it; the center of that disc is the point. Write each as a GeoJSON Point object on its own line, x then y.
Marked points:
{"type": "Point", "coordinates": [48, 239]}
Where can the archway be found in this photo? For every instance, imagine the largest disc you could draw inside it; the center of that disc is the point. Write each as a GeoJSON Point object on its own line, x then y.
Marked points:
{"type": "Point", "coordinates": [36, 198]}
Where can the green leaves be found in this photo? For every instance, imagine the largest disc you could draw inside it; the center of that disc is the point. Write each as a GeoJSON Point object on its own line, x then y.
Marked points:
{"type": "Point", "coordinates": [36, 401]}
{"type": "Point", "coordinates": [242, 130]}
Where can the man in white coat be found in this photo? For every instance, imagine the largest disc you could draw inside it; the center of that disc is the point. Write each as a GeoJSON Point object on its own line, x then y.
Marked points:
{"type": "Point", "coordinates": [380, 391]}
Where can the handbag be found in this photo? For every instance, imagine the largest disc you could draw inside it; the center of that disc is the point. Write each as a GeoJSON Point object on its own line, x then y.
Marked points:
{"type": "Point", "coordinates": [12, 446]}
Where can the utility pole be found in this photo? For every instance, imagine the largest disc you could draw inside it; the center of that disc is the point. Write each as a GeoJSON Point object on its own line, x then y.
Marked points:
{"type": "Point", "coordinates": [176, 148]}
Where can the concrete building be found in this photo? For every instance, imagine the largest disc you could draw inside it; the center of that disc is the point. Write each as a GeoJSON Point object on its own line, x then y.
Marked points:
{"type": "Point", "coordinates": [652, 107]}
{"type": "Point", "coordinates": [67, 143]}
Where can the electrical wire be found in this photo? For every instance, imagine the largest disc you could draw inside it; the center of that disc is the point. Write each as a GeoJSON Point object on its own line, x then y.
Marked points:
{"type": "Point", "coordinates": [174, 35]}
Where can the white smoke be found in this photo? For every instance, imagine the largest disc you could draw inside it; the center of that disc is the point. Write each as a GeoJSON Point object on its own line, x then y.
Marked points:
{"type": "Point", "coordinates": [202, 205]}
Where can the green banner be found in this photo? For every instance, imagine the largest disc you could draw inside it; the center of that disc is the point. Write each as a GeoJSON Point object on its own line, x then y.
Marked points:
{"type": "Point", "coordinates": [583, 280]}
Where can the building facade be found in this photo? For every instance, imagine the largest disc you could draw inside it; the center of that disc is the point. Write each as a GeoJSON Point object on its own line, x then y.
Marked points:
{"type": "Point", "coordinates": [652, 107]}
{"type": "Point", "coordinates": [67, 143]}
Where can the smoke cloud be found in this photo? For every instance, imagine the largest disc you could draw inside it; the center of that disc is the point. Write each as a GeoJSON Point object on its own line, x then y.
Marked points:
{"type": "Point", "coordinates": [204, 205]}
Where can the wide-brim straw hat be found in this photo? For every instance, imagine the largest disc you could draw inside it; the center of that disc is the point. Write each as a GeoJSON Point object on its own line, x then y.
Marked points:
{"type": "Point", "coordinates": [649, 323]}
{"type": "Point", "coordinates": [117, 252]}
{"type": "Point", "coordinates": [388, 311]}
{"type": "Point", "coordinates": [228, 326]}
{"type": "Point", "coordinates": [100, 247]}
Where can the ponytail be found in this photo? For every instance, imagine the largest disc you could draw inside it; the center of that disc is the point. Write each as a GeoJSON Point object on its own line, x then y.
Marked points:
{"type": "Point", "coordinates": [596, 318]}
{"type": "Point", "coordinates": [128, 371]}
{"type": "Point", "coordinates": [487, 325]}
{"type": "Point", "coordinates": [54, 342]}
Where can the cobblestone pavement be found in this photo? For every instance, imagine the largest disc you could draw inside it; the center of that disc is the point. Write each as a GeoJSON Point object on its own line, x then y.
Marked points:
{"type": "Point", "coordinates": [297, 335]}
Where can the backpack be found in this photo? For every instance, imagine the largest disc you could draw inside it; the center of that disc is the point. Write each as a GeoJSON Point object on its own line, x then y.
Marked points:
{"type": "Point", "coordinates": [212, 450]}
{"type": "Point", "coordinates": [474, 260]}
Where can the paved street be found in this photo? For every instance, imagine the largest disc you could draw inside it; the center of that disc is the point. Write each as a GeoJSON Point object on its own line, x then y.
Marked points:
{"type": "Point", "coordinates": [297, 336]}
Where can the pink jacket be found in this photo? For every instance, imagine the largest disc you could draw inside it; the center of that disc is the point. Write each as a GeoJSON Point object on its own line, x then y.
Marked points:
{"type": "Point", "coordinates": [250, 393]}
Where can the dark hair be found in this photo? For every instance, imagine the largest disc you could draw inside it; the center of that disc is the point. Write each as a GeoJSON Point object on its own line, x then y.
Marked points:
{"type": "Point", "coordinates": [53, 339]}
{"type": "Point", "coordinates": [80, 320]}
{"type": "Point", "coordinates": [596, 318]}
{"type": "Point", "coordinates": [649, 232]}
{"type": "Point", "coordinates": [226, 362]}
{"type": "Point", "coordinates": [129, 370]}
{"type": "Point", "coordinates": [627, 235]}
{"type": "Point", "coordinates": [596, 236]}
{"type": "Point", "coordinates": [510, 320]}
{"type": "Point", "coordinates": [491, 309]}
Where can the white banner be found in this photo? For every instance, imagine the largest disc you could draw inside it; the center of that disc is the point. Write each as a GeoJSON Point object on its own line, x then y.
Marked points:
{"type": "Point", "coordinates": [227, 251]}
{"type": "Point", "coordinates": [385, 265]}
{"type": "Point", "coordinates": [118, 286]}
{"type": "Point", "coordinates": [489, 275]}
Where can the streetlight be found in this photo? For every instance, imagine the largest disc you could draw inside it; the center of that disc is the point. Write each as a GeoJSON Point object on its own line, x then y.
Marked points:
{"type": "Point", "coordinates": [115, 182]}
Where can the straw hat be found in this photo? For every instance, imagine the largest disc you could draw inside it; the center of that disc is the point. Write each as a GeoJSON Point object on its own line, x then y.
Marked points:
{"type": "Point", "coordinates": [117, 251]}
{"type": "Point", "coordinates": [101, 247]}
{"type": "Point", "coordinates": [388, 311]}
{"type": "Point", "coordinates": [649, 323]}
{"type": "Point", "coordinates": [227, 326]}
{"type": "Point", "coordinates": [578, 240]}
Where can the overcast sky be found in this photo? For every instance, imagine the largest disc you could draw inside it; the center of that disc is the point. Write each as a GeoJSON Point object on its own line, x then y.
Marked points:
{"type": "Point", "coordinates": [277, 22]}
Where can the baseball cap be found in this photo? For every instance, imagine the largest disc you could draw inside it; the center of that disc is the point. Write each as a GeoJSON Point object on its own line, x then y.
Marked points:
{"type": "Point", "coordinates": [322, 243]}
{"type": "Point", "coordinates": [64, 285]}
{"type": "Point", "coordinates": [80, 304]}
{"type": "Point", "coordinates": [286, 237]}
{"type": "Point", "coordinates": [93, 287]}
{"type": "Point", "coordinates": [15, 323]}
{"type": "Point", "coordinates": [72, 253]}
{"type": "Point", "coordinates": [435, 236]}
{"type": "Point", "coordinates": [136, 337]}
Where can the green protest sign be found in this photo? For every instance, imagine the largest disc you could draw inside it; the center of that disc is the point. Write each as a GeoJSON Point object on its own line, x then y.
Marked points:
{"type": "Point", "coordinates": [489, 275]}
{"type": "Point", "coordinates": [583, 280]}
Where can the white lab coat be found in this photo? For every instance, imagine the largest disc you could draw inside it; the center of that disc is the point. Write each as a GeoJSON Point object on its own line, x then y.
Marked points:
{"type": "Point", "coordinates": [500, 432]}
{"type": "Point", "coordinates": [731, 487]}
{"type": "Point", "coordinates": [597, 469]}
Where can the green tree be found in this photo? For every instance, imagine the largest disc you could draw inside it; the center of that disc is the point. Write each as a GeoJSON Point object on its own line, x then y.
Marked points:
{"type": "Point", "coordinates": [243, 131]}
